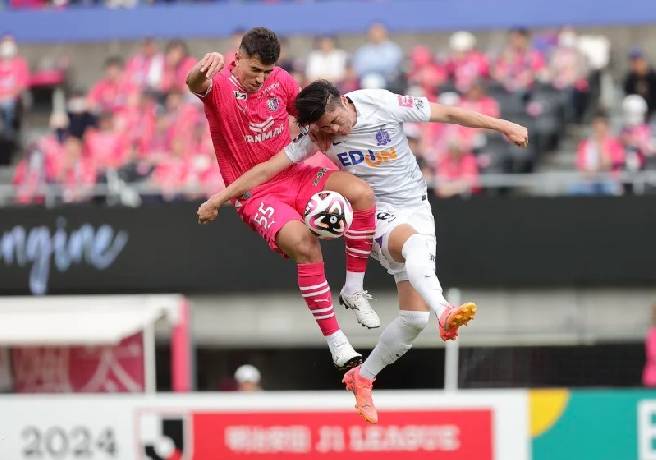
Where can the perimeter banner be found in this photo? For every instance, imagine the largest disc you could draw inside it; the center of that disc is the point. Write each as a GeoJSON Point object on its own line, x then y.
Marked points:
{"type": "Point", "coordinates": [266, 426]}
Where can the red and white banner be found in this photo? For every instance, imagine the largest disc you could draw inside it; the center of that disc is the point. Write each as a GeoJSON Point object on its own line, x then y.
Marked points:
{"type": "Point", "coordinates": [111, 369]}
{"type": "Point", "coordinates": [462, 434]}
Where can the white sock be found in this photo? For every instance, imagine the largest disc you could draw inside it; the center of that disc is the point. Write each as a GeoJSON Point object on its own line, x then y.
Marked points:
{"type": "Point", "coordinates": [336, 339]}
{"type": "Point", "coordinates": [395, 341]}
{"type": "Point", "coordinates": [418, 252]}
{"type": "Point", "coordinates": [354, 283]}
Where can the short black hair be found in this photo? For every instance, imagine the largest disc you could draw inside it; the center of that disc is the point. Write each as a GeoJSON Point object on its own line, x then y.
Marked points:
{"type": "Point", "coordinates": [263, 43]}
{"type": "Point", "coordinates": [312, 102]}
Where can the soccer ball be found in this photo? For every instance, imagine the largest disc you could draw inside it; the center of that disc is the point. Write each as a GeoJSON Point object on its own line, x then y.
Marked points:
{"type": "Point", "coordinates": [328, 215]}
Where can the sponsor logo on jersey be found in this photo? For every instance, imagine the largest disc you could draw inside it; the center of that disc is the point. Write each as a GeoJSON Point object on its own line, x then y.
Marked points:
{"type": "Point", "coordinates": [264, 131]}
{"type": "Point", "coordinates": [240, 96]}
{"type": "Point", "coordinates": [273, 103]}
{"type": "Point", "coordinates": [406, 101]}
{"type": "Point", "coordinates": [382, 137]}
{"type": "Point", "coordinates": [385, 216]}
{"type": "Point", "coordinates": [264, 136]}
{"type": "Point", "coordinates": [272, 86]}
{"type": "Point", "coordinates": [370, 158]}
{"type": "Point", "coordinates": [261, 127]}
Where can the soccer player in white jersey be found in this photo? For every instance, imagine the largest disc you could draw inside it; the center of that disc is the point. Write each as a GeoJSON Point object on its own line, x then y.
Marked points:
{"type": "Point", "coordinates": [362, 132]}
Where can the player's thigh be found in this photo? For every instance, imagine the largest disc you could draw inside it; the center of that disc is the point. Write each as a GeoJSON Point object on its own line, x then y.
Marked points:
{"type": "Point", "coordinates": [308, 181]}
{"type": "Point", "coordinates": [296, 241]}
{"type": "Point", "coordinates": [393, 228]}
{"type": "Point", "coordinates": [357, 191]}
{"type": "Point", "coordinates": [409, 298]}
{"type": "Point", "coordinates": [267, 215]}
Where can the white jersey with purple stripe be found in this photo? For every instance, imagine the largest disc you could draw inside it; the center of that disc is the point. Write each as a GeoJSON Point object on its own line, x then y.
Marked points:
{"type": "Point", "coordinates": [377, 149]}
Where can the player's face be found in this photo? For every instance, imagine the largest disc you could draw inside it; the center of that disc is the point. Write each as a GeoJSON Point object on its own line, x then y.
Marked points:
{"type": "Point", "coordinates": [337, 121]}
{"type": "Point", "coordinates": [250, 71]}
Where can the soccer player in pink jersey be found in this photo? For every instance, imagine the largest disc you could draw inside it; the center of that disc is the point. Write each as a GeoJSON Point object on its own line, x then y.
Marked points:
{"type": "Point", "coordinates": [248, 104]}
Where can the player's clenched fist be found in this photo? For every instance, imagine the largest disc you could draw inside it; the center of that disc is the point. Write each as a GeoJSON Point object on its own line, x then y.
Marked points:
{"type": "Point", "coordinates": [207, 212]}
{"type": "Point", "coordinates": [210, 64]}
{"type": "Point", "coordinates": [517, 134]}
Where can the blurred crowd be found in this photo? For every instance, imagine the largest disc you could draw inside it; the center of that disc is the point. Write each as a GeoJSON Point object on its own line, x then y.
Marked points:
{"type": "Point", "coordinates": [140, 125]}
{"type": "Point", "coordinates": [137, 124]}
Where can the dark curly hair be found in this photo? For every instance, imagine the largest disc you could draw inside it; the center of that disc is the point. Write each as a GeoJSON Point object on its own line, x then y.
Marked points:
{"type": "Point", "coordinates": [263, 43]}
{"type": "Point", "coordinates": [313, 101]}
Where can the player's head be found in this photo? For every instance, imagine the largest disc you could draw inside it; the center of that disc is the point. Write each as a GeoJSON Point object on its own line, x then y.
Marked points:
{"type": "Point", "coordinates": [257, 55]}
{"type": "Point", "coordinates": [113, 67]}
{"type": "Point", "coordinates": [321, 105]}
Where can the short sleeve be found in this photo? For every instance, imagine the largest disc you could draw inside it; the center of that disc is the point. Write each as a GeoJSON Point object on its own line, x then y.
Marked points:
{"type": "Point", "coordinates": [301, 147]}
{"type": "Point", "coordinates": [211, 91]}
{"type": "Point", "coordinates": [401, 108]}
{"type": "Point", "coordinates": [406, 108]}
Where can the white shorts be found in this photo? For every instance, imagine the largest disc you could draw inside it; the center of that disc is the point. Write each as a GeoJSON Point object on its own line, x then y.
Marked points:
{"type": "Point", "coordinates": [388, 217]}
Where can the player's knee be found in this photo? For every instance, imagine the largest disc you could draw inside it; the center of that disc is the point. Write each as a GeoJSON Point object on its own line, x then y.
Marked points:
{"type": "Point", "coordinates": [417, 244]}
{"type": "Point", "coordinates": [415, 322]}
{"type": "Point", "coordinates": [305, 247]}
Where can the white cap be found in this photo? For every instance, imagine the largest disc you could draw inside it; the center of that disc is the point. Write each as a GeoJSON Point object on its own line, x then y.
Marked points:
{"type": "Point", "coordinates": [634, 108]}
{"type": "Point", "coordinates": [462, 41]}
{"type": "Point", "coordinates": [247, 373]}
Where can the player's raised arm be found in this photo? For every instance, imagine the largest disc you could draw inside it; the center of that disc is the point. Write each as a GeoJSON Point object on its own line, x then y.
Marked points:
{"type": "Point", "coordinates": [296, 151]}
{"type": "Point", "coordinates": [255, 176]}
{"type": "Point", "coordinates": [517, 134]}
{"type": "Point", "coordinates": [199, 78]}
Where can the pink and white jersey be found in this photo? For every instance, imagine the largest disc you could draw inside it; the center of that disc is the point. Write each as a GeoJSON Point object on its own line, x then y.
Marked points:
{"type": "Point", "coordinates": [249, 128]}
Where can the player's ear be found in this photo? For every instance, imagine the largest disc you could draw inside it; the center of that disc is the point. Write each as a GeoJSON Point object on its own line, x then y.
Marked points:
{"type": "Point", "coordinates": [344, 101]}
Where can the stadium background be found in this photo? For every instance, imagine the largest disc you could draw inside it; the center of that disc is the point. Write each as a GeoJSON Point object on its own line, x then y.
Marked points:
{"type": "Point", "coordinates": [555, 246]}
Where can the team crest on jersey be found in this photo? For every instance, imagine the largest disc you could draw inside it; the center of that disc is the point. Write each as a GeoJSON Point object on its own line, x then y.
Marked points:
{"type": "Point", "coordinates": [382, 137]}
{"type": "Point", "coordinates": [273, 104]}
{"type": "Point", "coordinates": [240, 96]}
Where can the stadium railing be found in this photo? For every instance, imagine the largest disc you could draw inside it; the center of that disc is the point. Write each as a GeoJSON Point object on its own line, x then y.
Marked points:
{"type": "Point", "coordinates": [538, 184]}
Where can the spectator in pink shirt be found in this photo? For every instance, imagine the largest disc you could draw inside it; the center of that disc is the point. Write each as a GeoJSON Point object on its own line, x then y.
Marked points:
{"type": "Point", "coordinates": [597, 156]}
{"type": "Point", "coordinates": [466, 64]}
{"type": "Point", "coordinates": [106, 146]}
{"type": "Point", "coordinates": [145, 68]}
{"type": "Point", "coordinates": [14, 80]}
{"type": "Point", "coordinates": [457, 171]}
{"type": "Point", "coordinates": [475, 98]}
{"type": "Point", "coordinates": [36, 170]}
{"type": "Point", "coordinates": [518, 65]}
{"type": "Point", "coordinates": [425, 72]}
{"type": "Point", "coordinates": [568, 71]}
{"type": "Point", "coordinates": [177, 64]}
{"type": "Point", "coordinates": [111, 93]}
{"type": "Point", "coordinates": [76, 173]}
{"type": "Point", "coordinates": [136, 121]}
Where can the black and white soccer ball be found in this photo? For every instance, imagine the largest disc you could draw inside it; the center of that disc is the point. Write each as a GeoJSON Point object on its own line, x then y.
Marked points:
{"type": "Point", "coordinates": [328, 215]}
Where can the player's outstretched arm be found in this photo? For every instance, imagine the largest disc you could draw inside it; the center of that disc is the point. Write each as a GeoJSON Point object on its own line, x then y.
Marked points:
{"type": "Point", "coordinates": [517, 134]}
{"type": "Point", "coordinates": [200, 76]}
{"type": "Point", "coordinates": [255, 176]}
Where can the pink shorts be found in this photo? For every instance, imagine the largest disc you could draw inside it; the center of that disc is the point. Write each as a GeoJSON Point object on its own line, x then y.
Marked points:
{"type": "Point", "coordinates": [275, 203]}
